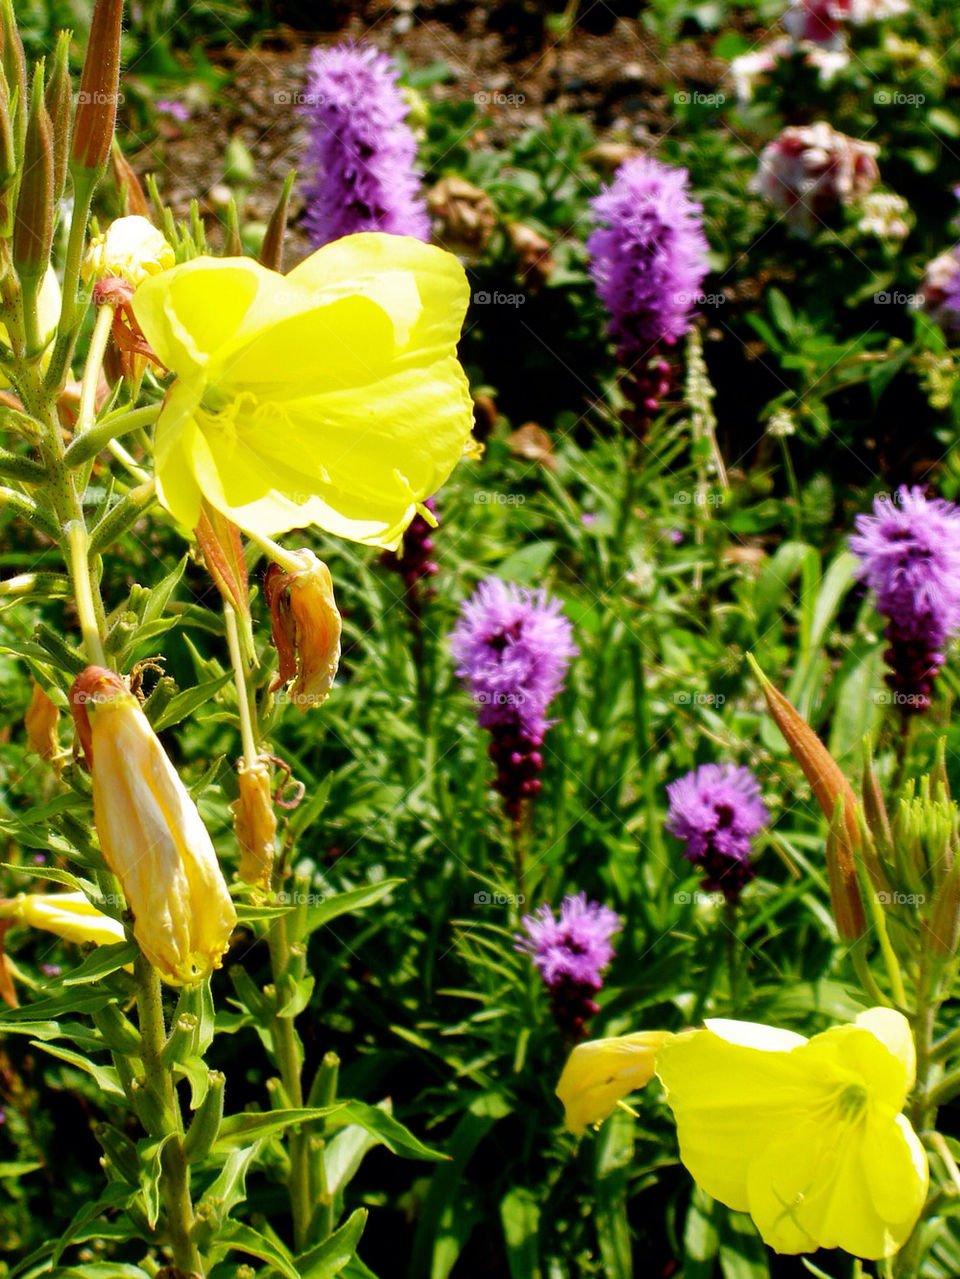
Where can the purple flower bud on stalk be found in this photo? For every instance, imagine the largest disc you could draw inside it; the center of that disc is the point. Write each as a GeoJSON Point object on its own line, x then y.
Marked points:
{"type": "Point", "coordinates": [909, 551]}
{"type": "Point", "coordinates": [717, 810]}
{"type": "Point", "coordinates": [571, 954]}
{"type": "Point", "coordinates": [414, 560]}
{"type": "Point", "coordinates": [512, 646]}
{"type": "Point", "coordinates": [648, 260]}
{"type": "Point", "coordinates": [362, 153]}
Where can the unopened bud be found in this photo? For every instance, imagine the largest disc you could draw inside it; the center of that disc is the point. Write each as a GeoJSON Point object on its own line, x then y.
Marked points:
{"type": "Point", "coordinates": [33, 223]}
{"type": "Point", "coordinates": [59, 110]}
{"type": "Point", "coordinates": [96, 117]}
{"type": "Point", "coordinates": [831, 789]}
{"type": "Point", "coordinates": [40, 723]}
{"type": "Point", "coordinates": [67, 915]}
{"type": "Point", "coordinates": [306, 628]}
{"type": "Point", "coordinates": [151, 834]}
{"type": "Point", "coordinates": [205, 1128]}
{"type": "Point", "coordinates": [255, 822]}
{"type": "Point", "coordinates": [14, 64]}
{"type": "Point", "coordinates": [130, 249]}
{"type": "Point", "coordinates": [132, 197]}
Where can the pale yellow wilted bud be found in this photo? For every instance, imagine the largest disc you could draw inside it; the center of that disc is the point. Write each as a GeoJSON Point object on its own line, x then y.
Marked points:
{"type": "Point", "coordinates": [68, 915]}
{"type": "Point", "coordinates": [255, 822]}
{"type": "Point", "coordinates": [306, 628]}
{"type": "Point", "coordinates": [40, 723]}
{"type": "Point", "coordinates": [130, 249]}
{"type": "Point", "coordinates": [151, 834]}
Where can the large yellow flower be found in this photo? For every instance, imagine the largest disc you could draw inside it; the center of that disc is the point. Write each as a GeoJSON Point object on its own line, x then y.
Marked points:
{"type": "Point", "coordinates": [329, 396]}
{"type": "Point", "coordinates": [69, 915]}
{"type": "Point", "coordinates": [804, 1135]}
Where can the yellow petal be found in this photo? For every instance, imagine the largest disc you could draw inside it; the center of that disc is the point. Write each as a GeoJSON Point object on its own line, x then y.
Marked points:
{"type": "Point", "coordinates": [893, 1029]}
{"type": "Point", "coordinates": [194, 309]}
{"type": "Point", "coordinates": [602, 1071]}
{"type": "Point", "coordinates": [729, 1102]}
{"type": "Point", "coordinates": [68, 915]}
{"type": "Point", "coordinates": [753, 1034]}
{"type": "Point", "coordinates": [815, 1186]}
{"type": "Point", "coordinates": [855, 1055]}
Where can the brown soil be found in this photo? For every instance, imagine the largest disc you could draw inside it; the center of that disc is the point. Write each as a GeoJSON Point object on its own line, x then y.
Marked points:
{"type": "Point", "coordinates": [608, 68]}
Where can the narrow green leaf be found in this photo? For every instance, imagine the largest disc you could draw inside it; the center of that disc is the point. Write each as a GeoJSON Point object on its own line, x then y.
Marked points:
{"type": "Point", "coordinates": [344, 903]}
{"type": "Point", "coordinates": [329, 1258]}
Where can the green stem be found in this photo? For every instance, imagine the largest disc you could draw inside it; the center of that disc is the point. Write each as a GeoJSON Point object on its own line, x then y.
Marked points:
{"type": "Point", "coordinates": [288, 560]}
{"type": "Point", "coordinates": [91, 371]}
{"type": "Point", "coordinates": [100, 436]}
{"type": "Point", "coordinates": [247, 735]}
{"type": "Point", "coordinates": [83, 188]}
{"type": "Point", "coordinates": [175, 1175]}
{"type": "Point", "coordinates": [90, 624]}
{"type": "Point", "coordinates": [288, 1054]}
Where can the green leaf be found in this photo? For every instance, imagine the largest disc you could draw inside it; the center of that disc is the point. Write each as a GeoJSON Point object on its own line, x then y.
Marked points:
{"type": "Point", "coordinates": [241, 1238]}
{"type": "Point", "coordinates": [154, 601]}
{"type": "Point", "coordinates": [99, 1270]}
{"type": "Point", "coordinates": [101, 963]}
{"type": "Point", "coordinates": [57, 876]}
{"type": "Point", "coordinates": [107, 1079]}
{"type": "Point", "coordinates": [397, 1139]}
{"type": "Point", "coordinates": [329, 1258]}
{"type": "Point", "coordinates": [223, 1194]}
{"type": "Point", "coordinates": [185, 703]}
{"type": "Point", "coordinates": [149, 1153]}
{"type": "Point", "coordinates": [75, 1001]}
{"type": "Point", "coordinates": [238, 1130]}
{"type": "Point", "coordinates": [520, 1217]}
{"type": "Point", "coordinates": [346, 903]}
{"type": "Point", "coordinates": [17, 1169]}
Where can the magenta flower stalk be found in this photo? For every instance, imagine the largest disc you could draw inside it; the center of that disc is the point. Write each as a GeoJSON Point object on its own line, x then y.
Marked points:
{"type": "Point", "coordinates": [362, 154]}
{"type": "Point", "coordinates": [909, 552]}
{"type": "Point", "coordinates": [570, 954]}
{"type": "Point", "coordinates": [512, 646]}
{"type": "Point", "coordinates": [716, 810]}
{"type": "Point", "coordinates": [648, 260]}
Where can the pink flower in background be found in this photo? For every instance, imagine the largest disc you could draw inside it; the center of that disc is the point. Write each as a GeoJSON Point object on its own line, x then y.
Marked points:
{"type": "Point", "coordinates": [823, 21]}
{"type": "Point", "coordinates": [808, 170]}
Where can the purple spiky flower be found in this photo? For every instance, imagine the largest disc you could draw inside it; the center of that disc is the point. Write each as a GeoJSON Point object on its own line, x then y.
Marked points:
{"type": "Point", "coordinates": [362, 154]}
{"type": "Point", "coordinates": [716, 810]}
{"type": "Point", "coordinates": [571, 954]}
{"type": "Point", "coordinates": [512, 646]}
{"type": "Point", "coordinates": [909, 552]}
{"type": "Point", "coordinates": [648, 260]}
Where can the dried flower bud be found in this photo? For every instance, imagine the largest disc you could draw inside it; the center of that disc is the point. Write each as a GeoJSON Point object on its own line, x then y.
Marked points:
{"type": "Point", "coordinates": [68, 915]}
{"type": "Point", "coordinates": [132, 196]}
{"type": "Point", "coordinates": [41, 724]}
{"type": "Point", "coordinates": [99, 94]}
{"type": "Point", "coordinates": [831, 789]}
{"type": "Point", "coordinates": [151, 834]}
{"type": "Point", "coordinates": [59, 109]}
{"type": "Point", "coordinates": [130, 249]}
{"type": "Point", "coordinates": [464, 216]}
{"type": "Point", "coordinates": [33, 223]}
{"type": "Point", "coordinates": [255, 822]}
{"type": "Point", "coordinates": [306, 628]}
{"type": "Point", "coordinates": [533, 253]}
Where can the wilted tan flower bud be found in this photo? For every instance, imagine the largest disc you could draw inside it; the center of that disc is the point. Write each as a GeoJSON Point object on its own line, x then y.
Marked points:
{"type": "Point", "coordinates": [151, 834]}
{"type": "Point", "coordinates": [130, 249]}
{"type": "Point", "coordinates": [41, 724]}
{"type": "Point", "coordinates": [306, 628]}
{"type": "Point", "coordinates": [255, 822]}
{"type": "Point", "coordinates": [465, 216]}
{"type": "Point", "coordinates": [533, 253]}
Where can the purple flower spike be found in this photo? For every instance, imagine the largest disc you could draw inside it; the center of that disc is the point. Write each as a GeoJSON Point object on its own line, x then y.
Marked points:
{"type": "Point", "coordinates": [362, 153]}
{"type": "Point", "coordinates": [512, 646]}
{"type": "Point", "coordinates": [909, 551]}
{"type": "Point", "coordinates": [571, 954]}
{"type": "Point", "coordinates": [717, 810]}
{"type": "Point", "coordinates": [648, 260]}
